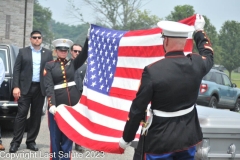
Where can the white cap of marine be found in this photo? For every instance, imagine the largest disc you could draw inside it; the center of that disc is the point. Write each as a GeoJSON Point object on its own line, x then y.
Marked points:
{"type": "Point", "coordinates": [175, 29]}
{"type": "Point", "coordinates": [62, 44]}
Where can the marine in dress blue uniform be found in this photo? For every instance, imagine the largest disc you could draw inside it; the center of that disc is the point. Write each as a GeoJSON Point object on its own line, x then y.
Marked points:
{"type": "Point", "coordinates": [61, 89]}
{"type": "Point", "coordinates": [171, 85]}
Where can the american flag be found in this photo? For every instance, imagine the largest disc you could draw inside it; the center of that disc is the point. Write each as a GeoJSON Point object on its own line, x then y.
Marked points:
{"type": "Point", "coordinates": [115, 63]}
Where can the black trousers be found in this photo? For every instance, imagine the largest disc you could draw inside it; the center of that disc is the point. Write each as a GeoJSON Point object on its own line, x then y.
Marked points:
{"type": "Point", "coordinates": [36, 99]}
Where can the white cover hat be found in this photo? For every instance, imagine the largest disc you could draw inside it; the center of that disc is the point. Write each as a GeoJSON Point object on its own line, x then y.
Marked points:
{"type": "Point", "coordinates": [175, 29]}
{"type": "Point", "coordinates": [62, 44]}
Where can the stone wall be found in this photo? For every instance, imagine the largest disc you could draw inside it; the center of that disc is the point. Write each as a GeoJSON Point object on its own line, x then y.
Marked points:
{"type": "Point", "coordinates": [12, 15]}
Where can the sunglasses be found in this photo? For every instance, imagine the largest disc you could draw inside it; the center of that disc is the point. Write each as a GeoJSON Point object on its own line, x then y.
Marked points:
{"type": "Point", "coordinates": [35, 37]}
{"type": "Point", "coordinates": [75, 51]}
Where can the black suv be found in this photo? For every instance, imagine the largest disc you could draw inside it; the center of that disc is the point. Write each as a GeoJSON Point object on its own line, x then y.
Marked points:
{"type": "Point", "coordinates": [217, 91]}
{"type": "Point", "coordinates": [8, 107]}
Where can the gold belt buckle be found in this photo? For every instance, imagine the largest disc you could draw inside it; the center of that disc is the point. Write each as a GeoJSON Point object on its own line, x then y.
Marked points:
{"type": "Point", "coordinates": [64, 85]}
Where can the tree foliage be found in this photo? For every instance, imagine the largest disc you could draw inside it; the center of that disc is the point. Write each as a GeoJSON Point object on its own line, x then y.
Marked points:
{"type": "Point", "coordinates": [114, 13]}
{"type": "Point", "coordinates": [213, 36]}
{"type": "Point", "coordinates": [211, 32]}
{"type": "Point", "coordinates": [140, 20]}
{"type": "Point", "coordinates": [76, 33]}
{"type": "Point", "coordinates": [229, 38]}
{"type": "Point", "coordinates": [41, 20]}
{"type": "Point", "coordinates": [126, 15]}
{"type": "Point", "coordinates": [74, 12]}
{"type": "Point", "coordinates": [180, 12]}
{"type": "Point", "coordinates": [217, 54]}
{"type": "Point", "coordinates": [120, 14]}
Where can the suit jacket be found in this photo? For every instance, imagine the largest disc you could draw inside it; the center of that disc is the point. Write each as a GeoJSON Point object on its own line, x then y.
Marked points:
{"type": "Point", "coordinates": [79, 76]}
{"type": "Point", "coordinates": [23, 69]}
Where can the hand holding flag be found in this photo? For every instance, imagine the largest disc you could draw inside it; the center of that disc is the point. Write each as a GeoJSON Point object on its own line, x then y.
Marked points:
{"type": "Point", "coordinates": [199, 23]}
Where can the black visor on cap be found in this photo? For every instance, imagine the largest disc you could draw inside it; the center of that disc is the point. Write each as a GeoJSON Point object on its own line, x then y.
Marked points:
{"type": "Point", "coordinates": [62, 48]}
{"type": "Point", "coordinates": [172, 36]}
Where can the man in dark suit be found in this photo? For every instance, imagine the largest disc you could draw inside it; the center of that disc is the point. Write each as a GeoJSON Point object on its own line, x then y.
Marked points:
{"type": "Point", "coordinates": [78, 78]}
{"type": "Point", "coordinates": [28, 89]}
{"type": "Point", "coordinates": [80, 73]}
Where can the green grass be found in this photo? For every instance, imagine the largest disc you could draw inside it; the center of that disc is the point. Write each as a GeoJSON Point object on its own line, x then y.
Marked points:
{"type": "Point", "coordinates": [235, 78]}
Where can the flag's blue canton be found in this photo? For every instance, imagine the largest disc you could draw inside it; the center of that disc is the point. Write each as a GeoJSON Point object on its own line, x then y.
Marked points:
{"type": "Point", "coordinates": [102, 58]}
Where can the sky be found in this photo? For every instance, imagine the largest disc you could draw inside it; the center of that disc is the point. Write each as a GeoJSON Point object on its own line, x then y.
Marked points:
{"type": "Point", "coordinates": [218, 11]}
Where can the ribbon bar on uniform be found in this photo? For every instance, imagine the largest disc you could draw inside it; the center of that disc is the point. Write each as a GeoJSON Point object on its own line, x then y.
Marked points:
{"type": "Point", "coordinates": [64, 85]}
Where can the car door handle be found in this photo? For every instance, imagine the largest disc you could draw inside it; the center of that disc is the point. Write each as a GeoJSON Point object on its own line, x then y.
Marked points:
{"type": "Point", "coordinates": [5, 105]}
{"type": "Point", "coordinates": [9, 105]}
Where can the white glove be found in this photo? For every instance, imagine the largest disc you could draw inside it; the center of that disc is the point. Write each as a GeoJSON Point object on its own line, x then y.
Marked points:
{"type": "Point", "coordinates": [53, 109]}
{"type": "Point", "coordinates": [123, 144]}
{"type": "Point", "coordinates": [199, 23]}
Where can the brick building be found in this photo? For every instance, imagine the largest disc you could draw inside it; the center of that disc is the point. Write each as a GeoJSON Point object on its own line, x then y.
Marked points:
{"type": "Point", "coordinates": [13, 27]}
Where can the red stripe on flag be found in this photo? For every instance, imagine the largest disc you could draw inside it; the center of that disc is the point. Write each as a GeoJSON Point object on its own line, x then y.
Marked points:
{"type": "Point", "coordinates": [104, 110]}
{"type": "Point", "coordinates": [143, 32]}
{"type": "Point", "coordinates": [110, 147]}
{"type": "Point", "coordinates": [132, 73]}
{"type": "Point", "coordinates": [141, 51]}
{"type": "Point", "coordinates": [189, 21]}
{"type": "Point", "coordinates": [122, 93]}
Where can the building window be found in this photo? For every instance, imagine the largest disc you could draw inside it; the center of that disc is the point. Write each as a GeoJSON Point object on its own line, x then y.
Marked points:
{"type": "Point", "coordinates": [7, 30]}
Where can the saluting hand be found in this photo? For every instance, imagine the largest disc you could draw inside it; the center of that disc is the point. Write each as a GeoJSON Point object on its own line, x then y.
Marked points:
{"type": "Point", "coordinates": [16, 93]}
{"type": "Point", "coordinates": [199, 23]}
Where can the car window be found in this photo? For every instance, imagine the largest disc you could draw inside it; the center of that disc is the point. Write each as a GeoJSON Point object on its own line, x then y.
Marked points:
{"type": "Point", "coordinates": [218, 78]}
{"type": "Point", "coordinates": [3, 56]}
{"type": "Point", "coordinates": [208, 76]}
{"type": "Point", "coordinates": [226, 80]}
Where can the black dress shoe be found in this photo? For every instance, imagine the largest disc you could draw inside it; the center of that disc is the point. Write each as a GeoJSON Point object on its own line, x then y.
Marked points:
{"type": "Point", "coordinates": [13, 148]}
{"type": "Point", "coordinates": [79, 148]}
{"type": "Point", "coordinates": [32, 147]}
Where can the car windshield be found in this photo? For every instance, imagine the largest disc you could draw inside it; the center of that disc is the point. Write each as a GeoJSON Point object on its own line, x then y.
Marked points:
{"type": "Point", "coordinates": [3, 56]}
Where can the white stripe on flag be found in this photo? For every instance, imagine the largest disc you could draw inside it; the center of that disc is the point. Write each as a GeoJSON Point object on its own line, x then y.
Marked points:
{"type": "Point", "coordinates": [126, 83]}
{"type": "Point", "coordinates": [145, 40]}
{"type": "Point", "coordinates": [136, 62]}
{"type": "Point", "coordinates": [112, 102]}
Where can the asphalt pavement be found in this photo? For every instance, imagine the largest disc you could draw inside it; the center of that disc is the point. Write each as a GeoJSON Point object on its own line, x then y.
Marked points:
{"type": "Point", "coordinates": [43, 145]}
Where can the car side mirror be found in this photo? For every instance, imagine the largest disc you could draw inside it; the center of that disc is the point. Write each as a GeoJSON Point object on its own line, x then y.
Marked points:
{"type": "Point", "coordinates": [234, 85]}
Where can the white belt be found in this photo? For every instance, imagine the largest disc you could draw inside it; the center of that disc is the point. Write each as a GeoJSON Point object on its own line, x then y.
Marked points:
{"type": "Point", "coordinates": [164, 114]}
{"type": "Point", "coordinates": [64, 85]}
